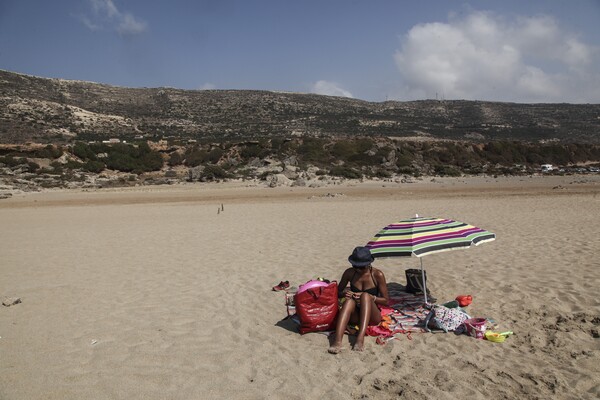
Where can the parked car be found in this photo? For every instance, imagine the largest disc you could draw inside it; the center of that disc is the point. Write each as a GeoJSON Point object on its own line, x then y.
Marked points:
{"type": "Point", "coordinates": [547, 168]}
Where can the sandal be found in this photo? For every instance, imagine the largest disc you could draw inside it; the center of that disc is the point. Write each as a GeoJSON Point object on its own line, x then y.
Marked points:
{"type": "Point", "coordinates": [281, 286]}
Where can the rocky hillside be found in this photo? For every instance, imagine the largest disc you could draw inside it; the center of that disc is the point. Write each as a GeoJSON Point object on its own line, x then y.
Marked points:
{"type": "Point", "coordinates": [59, 111]}
{"type": "Point", "coordinates": [274, 162]}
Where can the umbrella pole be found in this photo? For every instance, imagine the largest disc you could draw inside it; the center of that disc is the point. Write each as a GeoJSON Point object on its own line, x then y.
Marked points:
{"type": "Point", "coordinates": [423, 280]}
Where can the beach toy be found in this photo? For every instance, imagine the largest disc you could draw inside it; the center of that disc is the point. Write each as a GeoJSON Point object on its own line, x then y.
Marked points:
{"type": "Point", "coordinates": [497, 337]}
{"type": "Point", "coordinates": [464, 300]}
{"type": "Point", "coordinates": [311, 285]}
{"type": "Point", "coordinates": [491, 323]}
{"type": "Point", "coordinates": [476, 327]}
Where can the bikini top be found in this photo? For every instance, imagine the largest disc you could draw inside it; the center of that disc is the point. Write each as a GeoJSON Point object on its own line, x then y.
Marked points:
{"type": "Point", "coordinates": [374, 291]}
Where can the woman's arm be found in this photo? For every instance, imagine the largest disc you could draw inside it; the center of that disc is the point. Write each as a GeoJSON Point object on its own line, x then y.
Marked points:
{"type": "Point", "coordinates": [383, 297]}
{"type": "Point", "coordinates": [343, 282]}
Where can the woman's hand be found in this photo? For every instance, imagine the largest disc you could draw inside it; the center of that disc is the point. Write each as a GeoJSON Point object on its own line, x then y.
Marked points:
{"type": "Point", "coordinates": [349, 294]}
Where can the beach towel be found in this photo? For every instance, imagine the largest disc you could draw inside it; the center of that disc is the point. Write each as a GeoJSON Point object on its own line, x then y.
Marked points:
{"type": "Point", "coordinates": [405, 315]}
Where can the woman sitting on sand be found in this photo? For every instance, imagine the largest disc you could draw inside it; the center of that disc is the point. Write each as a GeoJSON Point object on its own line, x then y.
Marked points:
{"type": "Point", "coordinates": [368, 290]}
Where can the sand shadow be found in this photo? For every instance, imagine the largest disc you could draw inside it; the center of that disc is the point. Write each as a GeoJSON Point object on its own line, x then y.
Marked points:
{"type": "Point", "coordinates": [288, 324]}
{"type": "Point", "coordinates": [396, 287]}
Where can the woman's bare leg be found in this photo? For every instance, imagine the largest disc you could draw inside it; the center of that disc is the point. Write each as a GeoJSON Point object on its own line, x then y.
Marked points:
{"type": "Point", "coordinates": [342, 321]}
{"type": "Point", "coordinates": [369, 315]}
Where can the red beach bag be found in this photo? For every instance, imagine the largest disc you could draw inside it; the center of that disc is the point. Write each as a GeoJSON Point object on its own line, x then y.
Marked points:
{"type": "Point", "coordinates": [317, 308]}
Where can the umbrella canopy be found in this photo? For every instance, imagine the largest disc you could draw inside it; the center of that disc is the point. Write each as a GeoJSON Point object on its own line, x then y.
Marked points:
{"type": "Point", "coordinates": [420, 236]}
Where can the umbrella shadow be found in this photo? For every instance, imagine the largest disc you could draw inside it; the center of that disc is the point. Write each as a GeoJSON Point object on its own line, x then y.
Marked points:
{"type": "Point", "coordinates": [396, 287]}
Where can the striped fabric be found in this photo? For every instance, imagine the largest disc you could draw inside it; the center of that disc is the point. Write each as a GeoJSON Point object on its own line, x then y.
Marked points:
{"type": "Point", "coordinates": [421, 236]}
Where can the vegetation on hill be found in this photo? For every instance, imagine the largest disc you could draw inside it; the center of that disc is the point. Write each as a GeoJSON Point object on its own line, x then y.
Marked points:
{"type": "Point", "coordinates": [59, 112]}
{"type": "Point", "coordinates": [119, 156]}
{"type": "Point", "coordinates": [341, 157]}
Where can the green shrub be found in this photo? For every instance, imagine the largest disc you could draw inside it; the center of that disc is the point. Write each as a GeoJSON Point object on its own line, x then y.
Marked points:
{"type": "Point", "coordinates": [71, 164]}
{"type": "Point", "coordinates": [10, 161]}
{"type": "Point", "coordinates": [245, 172]}
{"type": "Point", "coordinates": [403, 160]}
{"type": "Point", "coordinates": [382, 173]}
{"type": "Point", "coordinates": [253, 150]}
{"type": "Point", "coordinates": [277, 143]}
{"type": "Point", "coordinates": [212, 172]}
{"type": "Point", "coordinates": [365, 159]}
{"type": "Point", "coordinates": [120, 161]}
{"type": "Point", "coordinates": [344, 149]}
{"type": "Point", "coordinates": [363, 145]}
{"type": "Point", "coordinates": [93, 166]}
{"type": "Point", "coordinates": [227, 166]}
{"type": "Point", "coordinates": [175, 159]}
{"type": "Point", "coordinates": [84, 151]}
{"type": "Point", "coordinates": [195, 156]}
{"type": "Point", "coordinates": [406, 170]}
{"type": "Point", "coordinates": [33, 166]}
{"type": "Point", "coordinates": [345, 172]}
{"type": "Point", "coordinates": [214, 155]}
{"type": "Point", "coordinates": [49, 151]}
{"type": "Point", "coordinates": [289, 147]}
{"type": "Point", "coordinates": [355, 152]}
{"type": "Point", "coordinates": [446, 170]}
{"type": "Point", "coordinates": [127, 158]}
{"type": "Point", "coordinates": [313, 150]}
{"type": "Point", "coordinates": [57, 168]}
{"type": "Point", "coordinates": [150, 162]}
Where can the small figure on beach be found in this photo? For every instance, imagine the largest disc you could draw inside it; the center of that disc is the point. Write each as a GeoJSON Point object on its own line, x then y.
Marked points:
{"type": "Point", "coordinates": [361, 301]}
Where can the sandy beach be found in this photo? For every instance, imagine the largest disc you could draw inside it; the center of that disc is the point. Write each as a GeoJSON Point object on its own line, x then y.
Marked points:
{"type": "Point", "coordinates": [158, 293]}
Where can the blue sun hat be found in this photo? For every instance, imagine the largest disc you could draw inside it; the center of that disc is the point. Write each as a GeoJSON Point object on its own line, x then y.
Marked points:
{"type": "Point", "coordinates": [361, 257]}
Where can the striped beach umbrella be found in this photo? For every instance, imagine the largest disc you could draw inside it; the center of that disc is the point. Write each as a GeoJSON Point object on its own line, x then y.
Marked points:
{"type": "Point", "coordinates": [420, 236]}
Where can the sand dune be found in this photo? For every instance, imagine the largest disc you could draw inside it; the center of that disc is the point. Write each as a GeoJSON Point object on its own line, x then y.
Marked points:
{"type": "Point", "coordinates": [152, 294]}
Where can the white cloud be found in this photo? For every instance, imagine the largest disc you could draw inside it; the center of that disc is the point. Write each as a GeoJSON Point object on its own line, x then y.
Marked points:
{"type": "Point", "coordinates": [330, 89]}
{"type": "Point", "coordinates": [105, 6]}
{"type": "Point", "coordinates": [129, 25]}
{"type": "Point", "coordinates": [88, 23]}
{"type": "Point", "coordinates": [483, 56]}
{"type": "Point", "coordinates": [106, 15]}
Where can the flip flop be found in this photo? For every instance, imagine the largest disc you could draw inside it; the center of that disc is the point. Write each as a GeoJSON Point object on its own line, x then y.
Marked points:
{"type": "Point", "coordinates": [281, 286]}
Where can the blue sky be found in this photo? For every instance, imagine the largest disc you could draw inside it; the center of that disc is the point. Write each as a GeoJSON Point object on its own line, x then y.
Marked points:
{"type": "Point", "coordinates": [521, 51]}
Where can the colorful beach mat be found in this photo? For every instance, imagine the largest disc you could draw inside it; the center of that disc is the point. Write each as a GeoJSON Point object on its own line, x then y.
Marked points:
{"type": "Point", "coordinates": [406, 315]}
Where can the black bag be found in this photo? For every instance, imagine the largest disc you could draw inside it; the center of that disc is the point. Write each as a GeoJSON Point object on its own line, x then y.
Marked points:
{"type": "Point", "coordinates": [414, 281]}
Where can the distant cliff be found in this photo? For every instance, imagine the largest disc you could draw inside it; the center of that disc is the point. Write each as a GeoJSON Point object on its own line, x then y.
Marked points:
{"type": "Point", "coordinates": [58, 111]}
